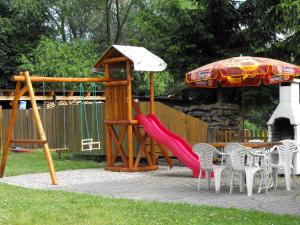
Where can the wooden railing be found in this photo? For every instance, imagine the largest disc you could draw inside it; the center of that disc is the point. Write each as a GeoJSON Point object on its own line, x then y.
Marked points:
{"type": "Point", "coordinates": [225, 135]}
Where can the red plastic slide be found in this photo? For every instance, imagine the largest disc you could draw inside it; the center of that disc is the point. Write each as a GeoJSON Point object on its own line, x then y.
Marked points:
{"type": "Point", "coordinates": [178, 146]}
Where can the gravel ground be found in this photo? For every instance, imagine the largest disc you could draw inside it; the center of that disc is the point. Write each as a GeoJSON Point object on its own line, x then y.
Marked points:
{"type": "Point", "coordinates": [67, 178]}
{"type": "Point", "coordinates": [83, 176]}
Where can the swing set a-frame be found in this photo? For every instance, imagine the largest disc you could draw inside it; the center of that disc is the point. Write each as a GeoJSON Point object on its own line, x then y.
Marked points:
{"type": "Point", "coordinates": [118, 109]}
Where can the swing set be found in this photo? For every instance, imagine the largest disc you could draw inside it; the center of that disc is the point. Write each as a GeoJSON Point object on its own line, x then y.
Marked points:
{"type": "Point", "coordinates": [119, 107]}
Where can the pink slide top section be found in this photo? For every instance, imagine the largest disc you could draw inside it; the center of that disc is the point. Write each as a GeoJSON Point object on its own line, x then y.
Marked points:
{"type": "Point", "coordinates": [178, 146]}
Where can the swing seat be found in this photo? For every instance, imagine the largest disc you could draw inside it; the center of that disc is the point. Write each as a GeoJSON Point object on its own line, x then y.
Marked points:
{"type": "Point", "coordinates": [89, 145]}
{"type": "Point", "coordinates": [19, 150]}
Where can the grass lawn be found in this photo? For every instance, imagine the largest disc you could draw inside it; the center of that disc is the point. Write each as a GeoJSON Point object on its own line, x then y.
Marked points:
{"type": "Point", "coordinates": [35, 162]}
{"type": "Point", "coordinates": [24, 206]}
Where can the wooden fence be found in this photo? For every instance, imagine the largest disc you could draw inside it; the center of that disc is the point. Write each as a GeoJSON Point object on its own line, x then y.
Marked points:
{"type": "Point", "coordinates": [189, 128]}
{"type": "Point", "coordinates": [224, 135]}
{"type": "Point", "coordinates": [62, 125]}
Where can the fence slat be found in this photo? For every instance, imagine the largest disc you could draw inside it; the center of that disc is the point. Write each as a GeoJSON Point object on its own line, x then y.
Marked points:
{"type": "Point", "coordinates": [236, 135]}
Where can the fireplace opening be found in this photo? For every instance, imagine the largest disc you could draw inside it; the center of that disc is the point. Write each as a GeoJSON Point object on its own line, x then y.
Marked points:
{"type": "Point", "coordinates": [282, 129]}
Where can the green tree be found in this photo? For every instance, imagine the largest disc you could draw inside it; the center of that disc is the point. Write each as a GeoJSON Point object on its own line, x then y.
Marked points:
{"type": "Point", "coordinates": [102, 21]}
{"type": "Point", "coordinates": [187, 34]}
{"type": "Point", "coordinates": [61, 59]}
{"type": "Point", "coordinates": [271, 29]}
{"type": "Point", "coordinates": [20, 29]}
{"type": "Point", "coordinates": [163, 81]}
{"type": "Point", "coordinates": [166, 28]}
{"type": "Point", "coordinates": [289, 27]}
{"type": "Point", "coordinates": [73, 19]}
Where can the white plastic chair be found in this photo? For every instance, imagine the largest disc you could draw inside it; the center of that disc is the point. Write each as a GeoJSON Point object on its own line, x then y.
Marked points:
{"type": "Point", "coordinates": [236, 154]}
{"type": "Point", "coordinates": [251, 159]}
{"type": "Point", "coordinates": [205, 154]}
{"type": "Point", "coordinates": [236, 160]}
{"type": "Point", "coordinates": [230, 147]}
{"type": "Point", "coordinates": [286, 153]}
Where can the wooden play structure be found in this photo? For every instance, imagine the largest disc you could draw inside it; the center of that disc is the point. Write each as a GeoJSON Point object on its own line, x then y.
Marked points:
{"type": "Point", "coordinates": [119, 109]}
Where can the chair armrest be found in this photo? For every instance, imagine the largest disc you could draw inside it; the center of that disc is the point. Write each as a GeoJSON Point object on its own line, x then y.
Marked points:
{"type": "Point", "coordinates": [274, 148]}
{"type": "Point", "coordinates": [222, 154]}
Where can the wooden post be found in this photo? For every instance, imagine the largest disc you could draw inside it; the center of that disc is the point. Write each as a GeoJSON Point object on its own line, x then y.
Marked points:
{"type": "Point", "coordinates": [1, 127]}
{"type": "Point", "coordinates": [151, 92]}
{"type": "Point", "coordinates": [107, 71]}
{"type": "Point", "coordinates": [152, 145]}
{"type": "Point", "coordinates": [10, 129]}
{"type": "Point", "coordinates": [61, 79]}
{"type": "Point", "coordinates": [40, 129]}
{"type": "Point", "coordinates": [251, 134]}
{"type": "Point", "coordinates": [129, 112]}
{"type": "Point", "coordinates": [246, 135]}
{"type": "Point", "coordinates": [107, 126]}
{"type": "Point", "coordinates": [265, 135]}
{"type": "Point", "coordinates": [226, 136]}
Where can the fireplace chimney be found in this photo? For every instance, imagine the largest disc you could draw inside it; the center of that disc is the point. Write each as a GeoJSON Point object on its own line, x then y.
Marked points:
{"type": "Point", "coordinates": [285, 120]}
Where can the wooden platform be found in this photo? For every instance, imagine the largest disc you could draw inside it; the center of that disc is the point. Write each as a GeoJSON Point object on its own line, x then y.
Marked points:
{"type": "Point", "coordinates": [126, 169]}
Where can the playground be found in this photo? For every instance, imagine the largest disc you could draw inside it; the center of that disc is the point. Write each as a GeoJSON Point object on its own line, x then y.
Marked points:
{"type": "Point", "coordinates": [123, 117]}
{"type": "Point", "coordinates": [134, 139]}
{"type": "Point", "coordinates": [150, 112]}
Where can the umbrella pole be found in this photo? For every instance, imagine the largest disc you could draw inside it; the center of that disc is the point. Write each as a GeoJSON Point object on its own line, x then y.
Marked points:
{"type": "Point", "coordinates": [243, 116]}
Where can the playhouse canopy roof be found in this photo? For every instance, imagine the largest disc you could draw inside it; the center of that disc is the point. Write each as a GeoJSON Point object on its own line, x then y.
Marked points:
{"type": "Point", "coordinates": [143, 60]}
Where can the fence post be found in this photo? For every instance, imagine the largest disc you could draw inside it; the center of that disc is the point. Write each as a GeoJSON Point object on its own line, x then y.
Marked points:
{"type": "Point", "coordinates": [1, 127]}
{"type": "Point", "coordinates": [265, 135]}
{"type": "Point", "coordinates": [212, 135]}
{"type": "Point", "coordinates": [226, 135]}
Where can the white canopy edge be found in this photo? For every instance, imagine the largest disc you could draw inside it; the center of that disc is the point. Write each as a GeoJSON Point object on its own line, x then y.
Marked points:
{"type": "Point", "coordinates": [143, 59]}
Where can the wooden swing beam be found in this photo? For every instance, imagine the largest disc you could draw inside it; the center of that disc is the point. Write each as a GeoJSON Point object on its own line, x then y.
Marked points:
{"type": "Point", "coordinates": [60, 79]}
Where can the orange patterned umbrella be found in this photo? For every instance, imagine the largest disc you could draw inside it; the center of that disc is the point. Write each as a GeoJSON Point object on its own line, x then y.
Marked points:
{"type": "Point", "coordinates": [242, 71]}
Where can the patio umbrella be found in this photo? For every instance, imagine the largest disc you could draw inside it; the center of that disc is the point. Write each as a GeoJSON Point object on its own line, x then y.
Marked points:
{"type": "Point", "coordinates": [242, 71]}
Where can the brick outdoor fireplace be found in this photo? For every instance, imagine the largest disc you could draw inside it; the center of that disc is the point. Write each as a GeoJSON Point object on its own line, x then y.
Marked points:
{"type": "Point", "coordinates": [285, 121]}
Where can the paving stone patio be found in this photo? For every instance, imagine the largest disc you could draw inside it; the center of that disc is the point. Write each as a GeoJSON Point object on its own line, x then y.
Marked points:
{"type": "Point", "coordinates": [176, 185]}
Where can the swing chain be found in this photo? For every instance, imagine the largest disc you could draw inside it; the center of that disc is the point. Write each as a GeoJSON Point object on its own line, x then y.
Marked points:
{"type": "Point", "coordinates": [88, 144]}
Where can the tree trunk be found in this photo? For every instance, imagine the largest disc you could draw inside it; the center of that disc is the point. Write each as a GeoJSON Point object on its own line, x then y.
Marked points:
{"type": "Point", "coordinates": [120, 25]}
{"type": "Point", "coordinates": [108, 21]}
